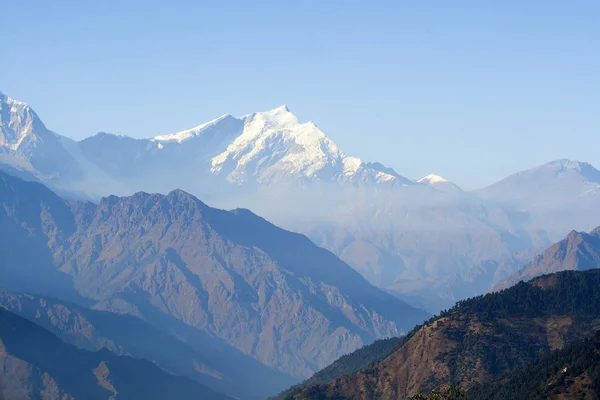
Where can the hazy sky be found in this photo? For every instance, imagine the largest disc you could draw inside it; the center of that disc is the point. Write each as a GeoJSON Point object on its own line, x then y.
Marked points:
{"type": "Point", "coordinates": [472, 91]}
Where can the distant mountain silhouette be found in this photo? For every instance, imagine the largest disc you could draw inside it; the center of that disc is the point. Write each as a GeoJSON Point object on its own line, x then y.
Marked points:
{"type": "Point", "coordinates": [578, 251]}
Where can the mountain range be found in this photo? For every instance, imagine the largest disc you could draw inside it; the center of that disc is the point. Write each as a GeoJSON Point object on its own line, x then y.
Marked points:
{"type": "Point", "coordinates": [402, 235]}
{"type": "Point", "coordinates": [228, 284]}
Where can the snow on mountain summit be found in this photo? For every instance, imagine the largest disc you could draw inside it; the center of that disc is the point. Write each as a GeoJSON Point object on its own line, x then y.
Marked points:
{"type": "Point", "coordinates": [17, 122]}
{"type": "Point", "coordinates": [262, 148]}
{"type": "Point", "coordinates": [182, 136]}
{"type": "Point", "coordinates": [440, 183]}
{"type": "Point", "coordinates": [275, 145]}
{"type": "Point", "coordinates": [275, 142]}
{"type": "Point", "coordinates": [432, 179]}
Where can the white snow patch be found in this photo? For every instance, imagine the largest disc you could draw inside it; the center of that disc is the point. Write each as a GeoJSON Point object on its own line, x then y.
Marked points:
{"type": "Point", "coordinates": [432, 178]}
{"type": "Point", "coordinates": [383, 177]}
{"type": "Point", "coordinates": [351, 165]}
{"type": "Point", "coordinates": [182, 136]}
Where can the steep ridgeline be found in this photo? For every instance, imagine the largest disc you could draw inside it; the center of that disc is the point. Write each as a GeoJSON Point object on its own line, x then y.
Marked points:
{"type": "Point", "coordinates": [571, 373]}
{"type": "Point", "coordinates": [36, 364]}
{"type": "Point", "coordinates": [400, 234]}
{"type": "Point", "coordinates": [579, 251]}
{"type": "Point", "coordinates": [224, 370]}
{"type": "Point", "coordinates": [192, 269]}
{"type": "Point", "coordinates": [478, 340]}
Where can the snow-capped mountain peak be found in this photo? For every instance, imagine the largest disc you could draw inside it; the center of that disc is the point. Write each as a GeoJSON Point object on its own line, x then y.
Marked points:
{"type": "Point", "coordinates": [274, 146]}
{"type": "Point", "coordinates": [433, 179]}
{"type": "Point", "coordinates": [276, 143]}
{"type": "Point", "coordinates": [17, 122]}
{"type": "Point", "coordinates": [440, 183]}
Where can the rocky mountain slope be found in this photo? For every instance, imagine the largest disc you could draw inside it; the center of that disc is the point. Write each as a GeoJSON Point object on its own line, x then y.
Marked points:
{"type": "Point", "coordinates": [192, 269]}
{"type": "Point", "coordinates": [36, 364]}
{"type": "Point", "coordinates": [478, 340]}
{"type": "Point", "coordinates": [578, 251]}
{"type": "Point", "coordinates": [223, 370]}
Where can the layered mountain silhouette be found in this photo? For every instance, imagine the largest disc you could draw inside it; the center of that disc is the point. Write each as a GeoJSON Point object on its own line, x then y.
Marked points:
{"type": "Point", "coordinates": [402, 235]}
{"type": "Point", "coordinates": [212, 278]}
{"type": "Point", "coordinates": [36, 364]}
{"type": "Point", "coordinates": [474, 343]}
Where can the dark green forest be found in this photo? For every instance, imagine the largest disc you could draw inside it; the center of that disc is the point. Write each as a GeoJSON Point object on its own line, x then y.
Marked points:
{"type": "Point", "coordinates": [552, 373]}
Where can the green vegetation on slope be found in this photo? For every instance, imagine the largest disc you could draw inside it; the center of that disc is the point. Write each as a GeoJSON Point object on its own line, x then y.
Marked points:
{"type": "Point", "coordinates": [478, 340]}
{"type": "Point", "coordinates": [573, 372]}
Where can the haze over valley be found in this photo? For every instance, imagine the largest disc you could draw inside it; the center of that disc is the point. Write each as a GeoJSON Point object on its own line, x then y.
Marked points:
{"type": "Point", "coordinates": [403, 236]}
{"type": "Point", "coordinates": [421, 221]}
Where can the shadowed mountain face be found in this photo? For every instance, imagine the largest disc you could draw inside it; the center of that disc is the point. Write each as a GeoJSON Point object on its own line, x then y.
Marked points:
{"type": "Point", "coordinates": [475, 342]}
{"type": "Point", "coordinates": [223, 369]}
{"type": "Point", "coordinates": [194, 270]}
{"type": "Point", "coordinates": [579, 251]}
{"type": "Point", "coordinates": [36, 364]}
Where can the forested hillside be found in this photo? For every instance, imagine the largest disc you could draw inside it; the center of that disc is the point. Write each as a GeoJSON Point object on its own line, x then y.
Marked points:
{"type": "Point", "coordinates": [478, 340]}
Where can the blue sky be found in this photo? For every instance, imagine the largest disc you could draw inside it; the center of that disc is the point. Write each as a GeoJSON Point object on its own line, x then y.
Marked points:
{"type": "Point", "coordinates": [472, 91]}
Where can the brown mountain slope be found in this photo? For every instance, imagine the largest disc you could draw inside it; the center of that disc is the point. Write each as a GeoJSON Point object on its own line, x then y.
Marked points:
{"type": "Point", "coordinates": [479, 339]}
{"type": "Point", "coordinates": [198, 272]}
{"type": "Point", "coordinates": [578, 251]}
{"type": "Point", "coordinates": [36, 364]}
